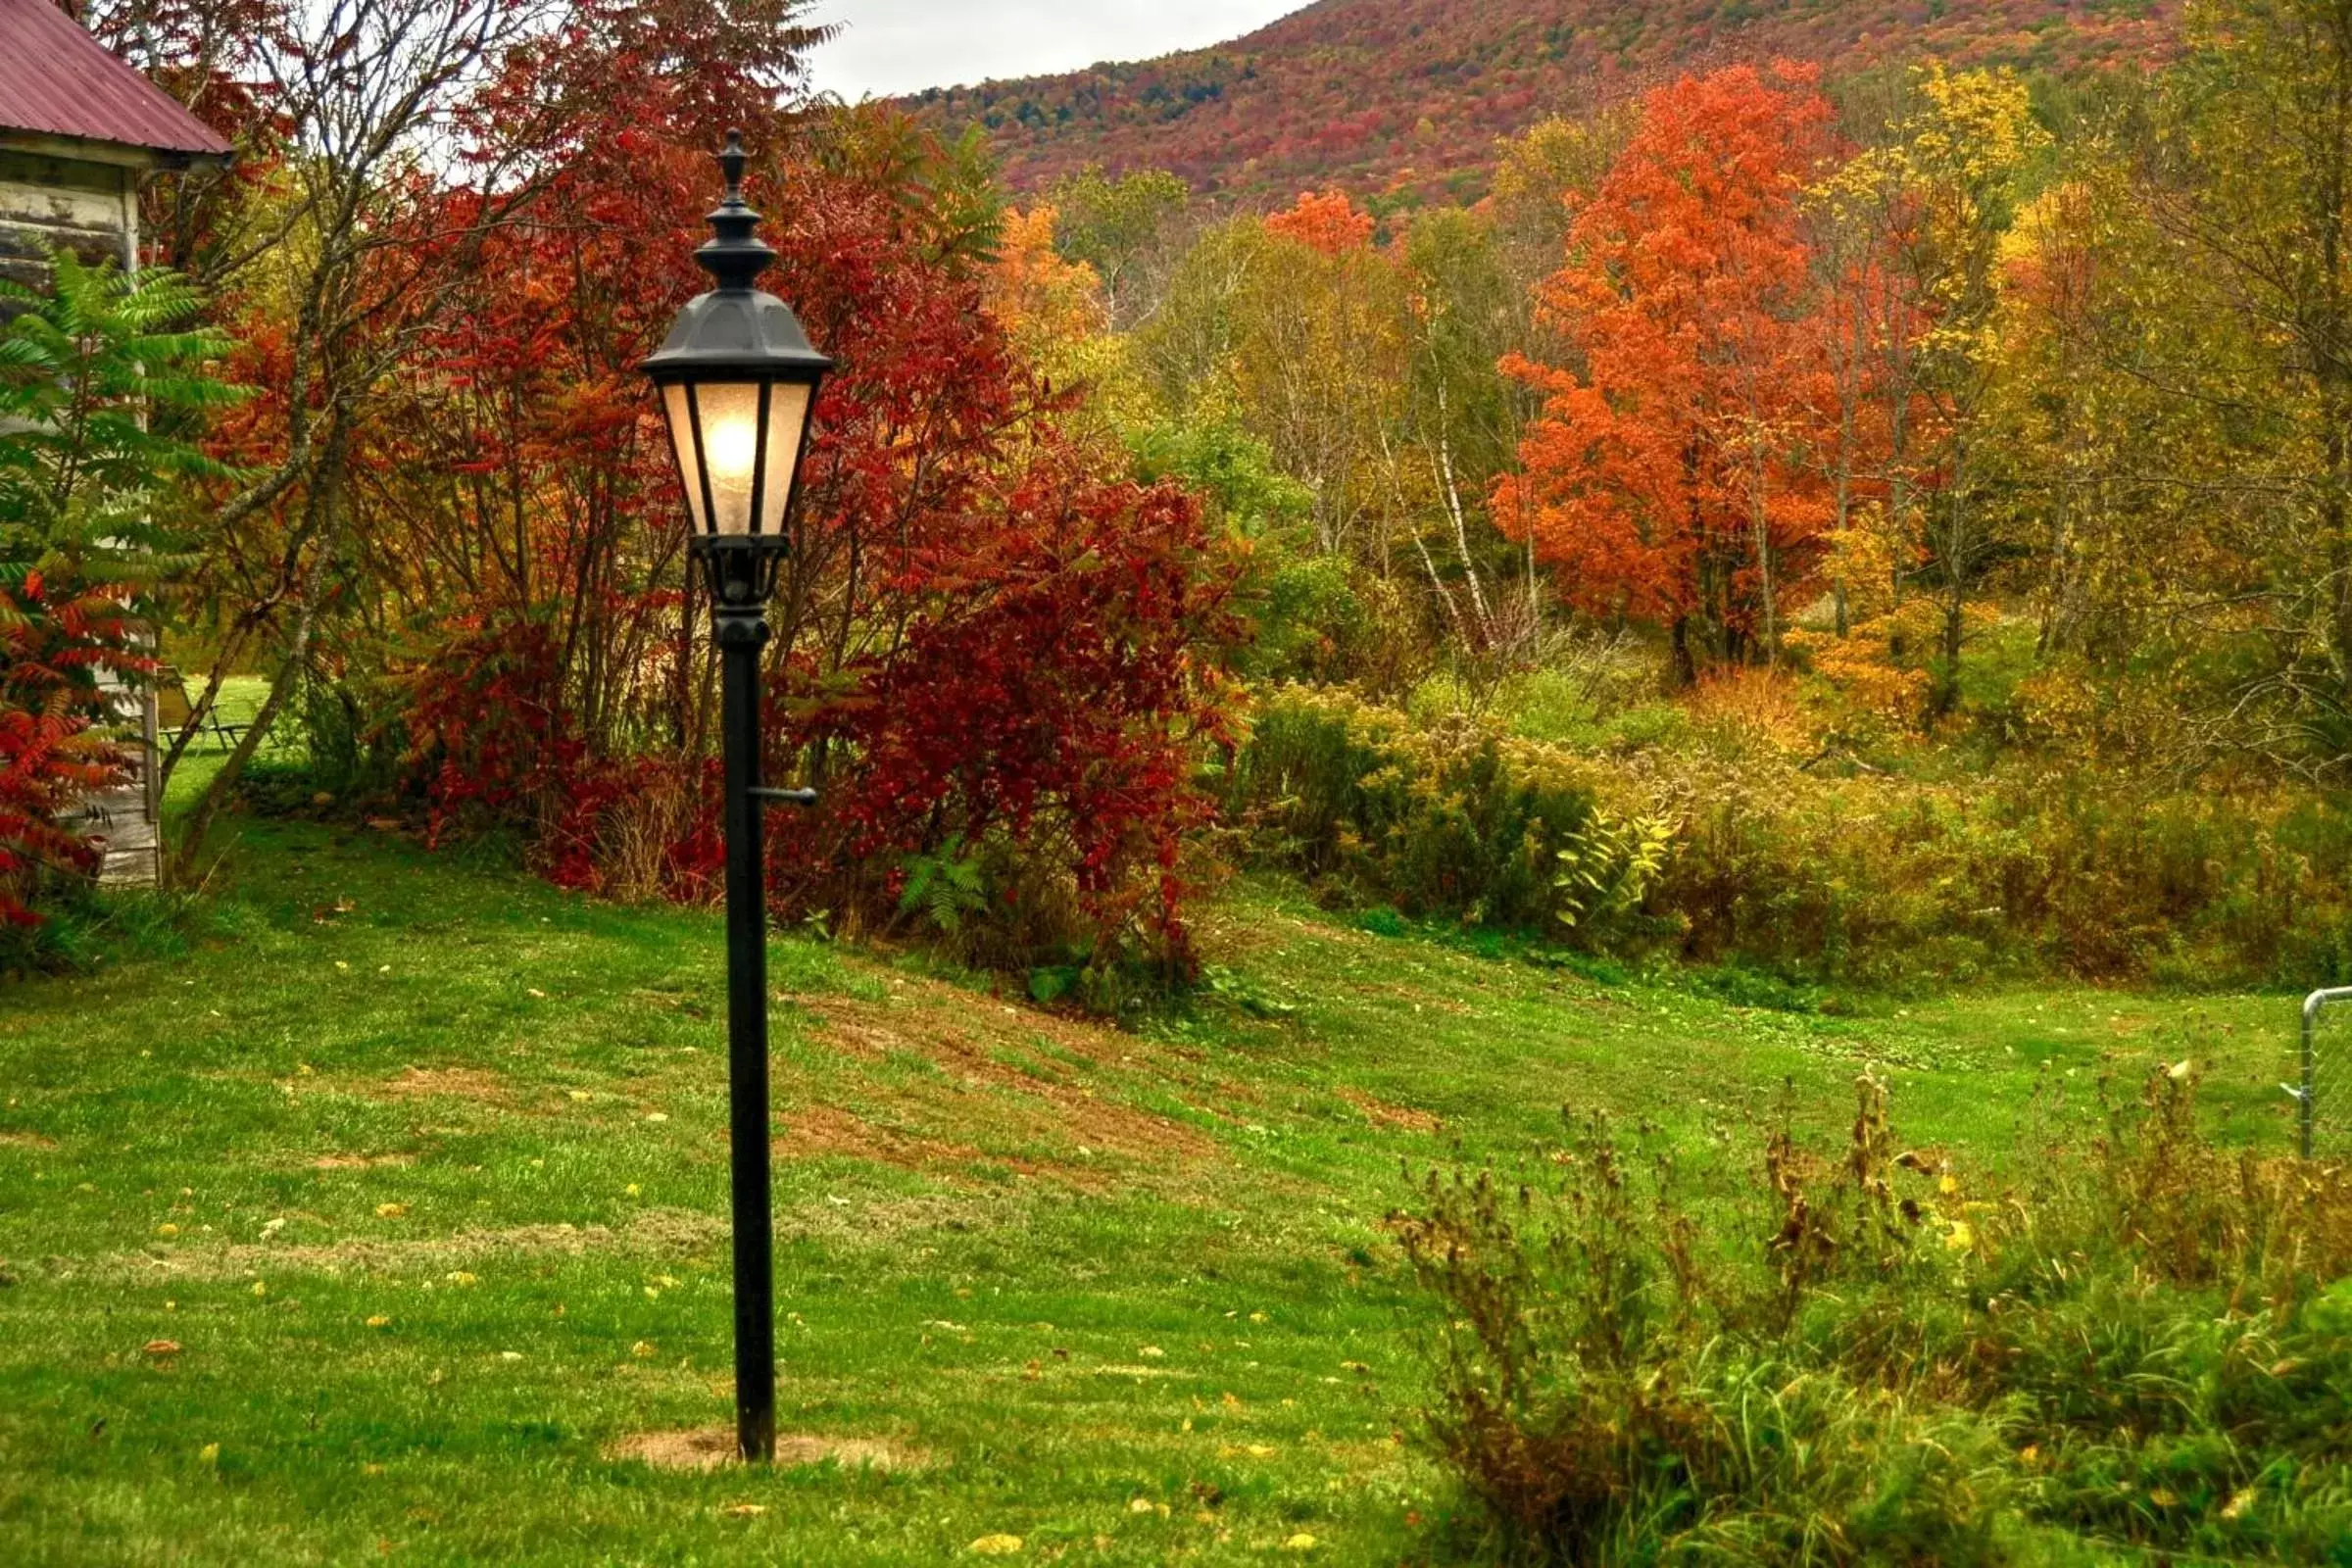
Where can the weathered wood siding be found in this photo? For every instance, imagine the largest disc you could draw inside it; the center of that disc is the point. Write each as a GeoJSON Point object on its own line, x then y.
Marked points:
{"type": "Point", "coordinates": [46, 201]}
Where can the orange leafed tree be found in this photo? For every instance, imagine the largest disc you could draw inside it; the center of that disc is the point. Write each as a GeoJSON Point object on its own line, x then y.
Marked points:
{"type": "Point", "coordinates": [1670, 476]}
{"type": "Point", "coordinates": [1036, 295]}
{"type": "Point", "coordinates": [1329, 223]}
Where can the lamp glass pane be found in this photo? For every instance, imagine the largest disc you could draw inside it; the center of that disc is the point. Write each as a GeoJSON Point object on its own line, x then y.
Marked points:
{"type": "Point", "coordinates": [730, 412]}
{"type": "Point", "coordinates": [787, 413]}
{"type": "Point", "coordinates": [681, 441]}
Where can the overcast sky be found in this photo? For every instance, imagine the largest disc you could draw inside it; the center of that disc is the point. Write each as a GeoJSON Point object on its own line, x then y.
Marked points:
{"type": "Point", "coordinates": [895, 46]}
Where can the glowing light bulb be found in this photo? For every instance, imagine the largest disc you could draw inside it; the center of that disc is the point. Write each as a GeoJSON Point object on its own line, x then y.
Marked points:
{"type": "Point", "coordinates": [730, 413]}
{"type": "Point", "coordinates": [732, 444]}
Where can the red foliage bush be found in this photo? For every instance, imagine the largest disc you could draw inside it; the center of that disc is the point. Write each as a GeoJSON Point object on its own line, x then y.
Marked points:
{"type": "Point", "coordinates": [988, 638]}
{"type": "Point", "coordinates": [56, 638]}
{"type": "Point", "coordinates": [1055, 695]}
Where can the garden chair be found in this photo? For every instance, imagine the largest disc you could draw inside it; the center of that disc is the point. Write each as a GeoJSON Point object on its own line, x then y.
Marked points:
{"type": "Point", "coordinates": [173, 706]}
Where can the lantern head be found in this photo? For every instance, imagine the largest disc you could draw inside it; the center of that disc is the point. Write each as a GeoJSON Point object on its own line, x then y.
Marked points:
{"type": "Point", "coordinates": [737, 378]}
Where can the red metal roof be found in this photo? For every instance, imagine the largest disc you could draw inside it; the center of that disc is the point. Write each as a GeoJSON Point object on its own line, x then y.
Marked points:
{"type": "Point", "coordinates": [58, 80]}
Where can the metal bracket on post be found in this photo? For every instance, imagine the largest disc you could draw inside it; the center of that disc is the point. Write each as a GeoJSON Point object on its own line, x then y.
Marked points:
{"type": "Point", "coordinates": [2307, 1096]}
{"type": "Point", "coordinates": [804, 799]}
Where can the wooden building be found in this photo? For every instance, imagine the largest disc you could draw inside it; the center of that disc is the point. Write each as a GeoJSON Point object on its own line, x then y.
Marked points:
{"type": "Point", "coordinates": [80, 130]}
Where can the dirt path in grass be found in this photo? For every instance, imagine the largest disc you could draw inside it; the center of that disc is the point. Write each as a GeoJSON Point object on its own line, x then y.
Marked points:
{"type": "Point", "coordinates": [656, 1233]}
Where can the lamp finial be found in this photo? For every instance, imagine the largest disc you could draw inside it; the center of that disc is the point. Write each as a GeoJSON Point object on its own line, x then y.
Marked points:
{"type": "Point", "coordinates": [731, 160]}
{"type": "Point", "coordinates": [734, 256]}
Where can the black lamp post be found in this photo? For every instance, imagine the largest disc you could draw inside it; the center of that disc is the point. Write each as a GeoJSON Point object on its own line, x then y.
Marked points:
{"type": "Point", "coordinates": [737, 380]}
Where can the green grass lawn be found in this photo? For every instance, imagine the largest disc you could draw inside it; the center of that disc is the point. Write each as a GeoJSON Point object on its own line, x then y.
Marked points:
{"type": "Point", "coordinates": [422, 1166]}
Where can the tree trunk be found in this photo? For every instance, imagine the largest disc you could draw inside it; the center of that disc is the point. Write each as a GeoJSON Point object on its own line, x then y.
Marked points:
{"type": "Point", "coordinates": [326, 486]}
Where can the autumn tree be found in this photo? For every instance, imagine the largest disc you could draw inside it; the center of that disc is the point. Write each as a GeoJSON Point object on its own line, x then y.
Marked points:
{"type": "Point", "coordinates": [1922, 307]}
{"type": "Point", "coordinates": [1326, 222]}
{"type": "Point", "coordinates": [1669, 476]}
{"type": "Point", "coordinates": [1541, 177]}
{"type": "Point", "coordinates": [994, 651]}
{"type": "Point", "coordinates": [2246, 174]}
{"type": "Point", "coordinates": [1125, 229]}
{"type": "Point", "coordinates": [1294, 323]}
{"type": "Point", "coordinates": [1462, 423]}
{"type": "Point", "coordinates": [384, 146]}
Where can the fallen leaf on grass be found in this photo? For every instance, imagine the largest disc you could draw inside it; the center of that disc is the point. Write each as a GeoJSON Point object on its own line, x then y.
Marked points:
{"type": "Point", "coordinates": [642, 1350]}
{"type": "Point", "coordinates": [996, 1546]}
{"type": "Point", "coordinates": [1301, 1541]}
{"type": "Point", "coordinates": [210, 1453]}
{"type": "Point", "coordinates": [380, 1321]}
{"type": "Point", "coordinates": [390, 1210]}
{"type": "Point", "coordinates": [160, 1347]}
{"type": "Point", "coordinates": [744, 1510]}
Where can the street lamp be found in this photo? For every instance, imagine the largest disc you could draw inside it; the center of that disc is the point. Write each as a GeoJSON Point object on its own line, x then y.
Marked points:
{"type": "Point", "coordinates": [737, 380]}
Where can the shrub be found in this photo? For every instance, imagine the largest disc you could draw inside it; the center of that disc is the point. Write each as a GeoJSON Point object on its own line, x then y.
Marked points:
{"type": "Point", "coordinates": [2098, 876]}
{"type": "Point", "coordinates": [1716, 836]}
{"type": "Point", "coordinates": [1457, 817]}
{"type": "Point", "coordinates": [1869, 1356]}
{"type": "Point", "coordinates": [84, 371]}
{"type": "Point", "coordinates": [1031, 731]}
{"type": "Point", "coordinates": [990, 636]}
{"type": "Point", "coordinates": [495, 744]}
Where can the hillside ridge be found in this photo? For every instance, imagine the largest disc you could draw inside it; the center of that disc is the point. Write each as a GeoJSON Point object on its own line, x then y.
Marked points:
{"type": "Point", "coordinates": [1404, 100]}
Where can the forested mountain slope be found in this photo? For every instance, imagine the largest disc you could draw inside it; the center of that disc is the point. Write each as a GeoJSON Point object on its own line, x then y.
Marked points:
{"type": "Point", "coordinates": [1408, 96]}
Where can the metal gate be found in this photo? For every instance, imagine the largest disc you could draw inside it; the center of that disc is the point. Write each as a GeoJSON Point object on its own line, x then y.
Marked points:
{"type": "Point", "coordinates": [2323, 1100]}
